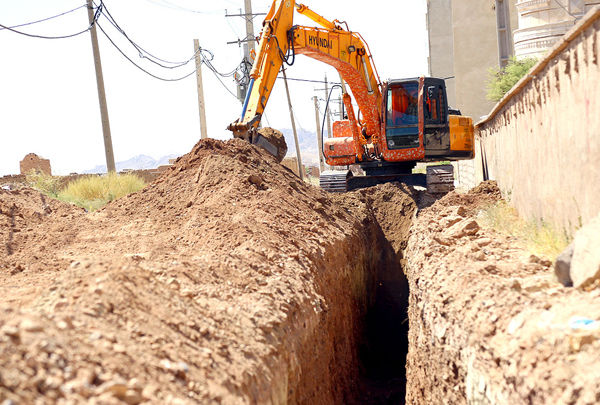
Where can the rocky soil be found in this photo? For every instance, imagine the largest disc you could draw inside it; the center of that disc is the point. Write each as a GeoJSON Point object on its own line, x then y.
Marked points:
{"type": "Point", "coordinates": [227, 280]}
{"type": "Point", "coordinates": [489, 323]}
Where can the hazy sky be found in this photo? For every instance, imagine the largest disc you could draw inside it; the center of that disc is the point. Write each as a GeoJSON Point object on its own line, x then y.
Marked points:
{"type": "Point", "coordinates": [48, 95]}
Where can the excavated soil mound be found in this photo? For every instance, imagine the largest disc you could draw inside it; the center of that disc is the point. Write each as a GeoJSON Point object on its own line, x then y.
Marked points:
{"type": "Point", "coordinates": [489, 324]}
{"type": "Point", "coordinates": [26, 217]}
{"type": "Point", "coordinates": [227, 280]}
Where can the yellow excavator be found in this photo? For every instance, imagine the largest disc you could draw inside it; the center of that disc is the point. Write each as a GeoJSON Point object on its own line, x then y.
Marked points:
{"type": "Point", "coordinates": [403, 122]}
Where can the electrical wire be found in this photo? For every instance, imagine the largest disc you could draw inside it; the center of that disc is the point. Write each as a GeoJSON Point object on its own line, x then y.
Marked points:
{"type": "Point", "coordinates": [200, 51]}
{"type": "Point", "coordinates": [144, 54]}
{"type": "Point", "coordinates": [223, 84]}
{"type": "Point", "coordinates": [100, 9]}
{"type": "Point", "coordinates": [45, 19]}
{"type": "Point", "coordinates": [309, 81]}
{"type": "Point", "coordinates": [94, 21]}
{"type": "Point", "coordinates": [138, 66]}
{"type": "Point", "coordinates": [173, 6]}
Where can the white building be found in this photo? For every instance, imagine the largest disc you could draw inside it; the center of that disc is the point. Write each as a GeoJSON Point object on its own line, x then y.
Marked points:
{"type": "Point", "coordinates": [543, 22]}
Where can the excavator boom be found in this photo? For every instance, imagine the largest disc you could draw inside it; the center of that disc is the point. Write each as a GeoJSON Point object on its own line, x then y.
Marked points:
{"type": "Point", "coordinates": [346, 51]}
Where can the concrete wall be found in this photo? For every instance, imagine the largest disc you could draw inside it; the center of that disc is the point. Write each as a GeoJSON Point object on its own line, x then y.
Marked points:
{"type": "Point", "coordinates": [475, 51]}
{"type": "Point", "coordinates": [441, 44]}
{"type": "Point", "coordinates": [463, 45]}
{"type": "Point", "coordinates": [540, 142]}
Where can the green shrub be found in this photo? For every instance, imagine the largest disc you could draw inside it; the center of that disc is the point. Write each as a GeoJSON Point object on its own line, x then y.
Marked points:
{"type": "Point", "coordinates": [500, 81]}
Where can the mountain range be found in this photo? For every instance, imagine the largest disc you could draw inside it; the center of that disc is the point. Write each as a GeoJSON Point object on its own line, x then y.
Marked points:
{"type": "Point", "coordinates": [308, 146]}
{"type": "Point", "coordinates": [140, 162]}
{"type": "Point", "coordinates": [306, 139]}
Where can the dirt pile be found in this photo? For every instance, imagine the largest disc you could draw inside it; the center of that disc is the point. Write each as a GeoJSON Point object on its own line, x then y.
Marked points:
{"type": "Point", "coordinates": [228, 280]}
{"type": "Point", "coordinates": [26, 218]}
{"type": "Point", "coordinates": [488, 322]}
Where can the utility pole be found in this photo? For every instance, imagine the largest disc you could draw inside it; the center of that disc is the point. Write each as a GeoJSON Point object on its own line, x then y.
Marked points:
{"type": "Point", "coordinates": [342, 96]}
{"type": "Point", "coordinates": [249, 45]}
{"type": "Point", "coordinates": [329, 133]}
{"type": "Point", "coordinates": [249, 29]}
{"type": "Point", "coordinates": [108, 148]}
{"type": "Point", "coordinates": [201, 104]}
{"type": "Point", "coordinates": [287, 91]}
{"type": "Point", "coordinates": [319, 138]}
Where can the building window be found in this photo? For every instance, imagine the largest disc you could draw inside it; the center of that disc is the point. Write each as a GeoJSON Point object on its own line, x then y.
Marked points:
{"type": "Point", "coordinates": [577, 7]}
{"type": "Point", "coordinates": [505, 50]}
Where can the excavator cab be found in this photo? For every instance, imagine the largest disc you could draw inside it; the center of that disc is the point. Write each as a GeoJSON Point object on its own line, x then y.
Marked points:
{"type": "Point", "coordinates": [441, 135]}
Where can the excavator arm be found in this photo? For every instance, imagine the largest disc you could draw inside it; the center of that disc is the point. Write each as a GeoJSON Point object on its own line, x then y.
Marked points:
{"type": "Point", "coordinates": [346, 51]}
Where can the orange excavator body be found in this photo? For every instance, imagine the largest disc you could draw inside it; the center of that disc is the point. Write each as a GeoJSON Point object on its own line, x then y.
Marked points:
{"type": "Point", "coordinates": [403, 121]}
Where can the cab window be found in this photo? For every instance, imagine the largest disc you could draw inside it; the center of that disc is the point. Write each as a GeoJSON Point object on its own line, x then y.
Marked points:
{"type": "Point", "coordinates": [402, 105]}
{"type": "Point", "coordinates": [402, 116]}
{"type": "Point", "coordinates": [435, 111]}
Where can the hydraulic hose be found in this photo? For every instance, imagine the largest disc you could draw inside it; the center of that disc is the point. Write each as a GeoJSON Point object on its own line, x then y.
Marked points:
{"type": "Point", "coordinates": [325, 116]}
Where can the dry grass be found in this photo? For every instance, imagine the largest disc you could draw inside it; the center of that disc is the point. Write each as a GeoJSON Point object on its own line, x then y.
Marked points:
{"type": "Point", "coordinates": [92, 192]}
{"type": "Point", "coordinates": [539, 238]}
{"type": "Point", "coordinates": [49, 185]}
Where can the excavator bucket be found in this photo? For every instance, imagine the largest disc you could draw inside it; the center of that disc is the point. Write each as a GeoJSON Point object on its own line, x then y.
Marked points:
{"type": "Point", "coordinates": [267, 138]}
{"type": "Point", "coordinates": [272, 141]}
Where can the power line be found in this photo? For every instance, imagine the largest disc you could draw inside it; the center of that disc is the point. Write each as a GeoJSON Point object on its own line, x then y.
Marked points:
{"type": "Point", "coordinates": [45, 19]}
{"type": "Point", "coordinates": [141, 51]}
{"type": "Point", "coordinates": [96, 16]}
{"type": "Point", "coordinates": [210, 66]}
{"type": "Point", "coordinates": [173, 6]}
{"type": "Point", "coordinates": [307, 80]}
{"type": "Point", "coordinates": [204, 60]}
{"type": "Point", "coordinates": [138, 66]}
{"type": "Point", "coordinates": [100, 10]}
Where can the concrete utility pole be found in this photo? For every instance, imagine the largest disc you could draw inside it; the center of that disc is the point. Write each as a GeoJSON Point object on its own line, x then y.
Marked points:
{"type": "Point", "coordinates": [320, 147]}
{"type": "Point", "coordinates": [249, 44]}
{"type": "Point", "coordinates": [201, 104]}
{"type": "Point", "coordinates": [108, 148]}
{"type": "Point", "coordinates": [329, 133]}
{"type": "Point", "coordinates": [287, 90]}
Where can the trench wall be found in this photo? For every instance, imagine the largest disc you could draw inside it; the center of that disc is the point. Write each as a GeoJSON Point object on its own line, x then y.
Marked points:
{"type": "Point", "coordinates": [540, 142]}
{"type": "Point", "coordinates": [488, 322]}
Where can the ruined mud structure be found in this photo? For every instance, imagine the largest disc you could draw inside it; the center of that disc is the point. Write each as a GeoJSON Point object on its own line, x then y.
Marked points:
{"type": "Point", "coordinates": [228, 280]}
{"type": "Point", "coordinates": [33, 163]}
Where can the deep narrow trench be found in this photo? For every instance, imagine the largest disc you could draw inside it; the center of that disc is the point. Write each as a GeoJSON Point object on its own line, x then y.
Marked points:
{"type": "Point", "coordinates": [383, 351]}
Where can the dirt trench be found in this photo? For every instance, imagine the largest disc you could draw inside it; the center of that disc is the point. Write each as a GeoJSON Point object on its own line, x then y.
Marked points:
{"type": "Point", "coordinates": [227, 280]}
{"type": "Point", "coordinates": [230, 281]}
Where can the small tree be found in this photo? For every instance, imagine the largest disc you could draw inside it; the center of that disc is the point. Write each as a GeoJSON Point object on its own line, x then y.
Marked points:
{"type": "Point", "coordinates": [500, 81]}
